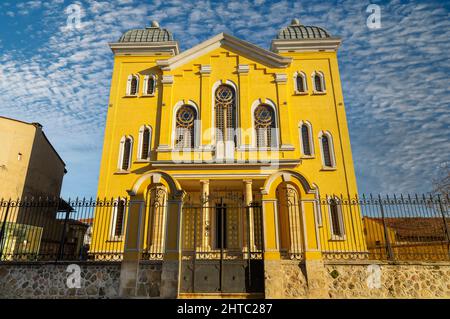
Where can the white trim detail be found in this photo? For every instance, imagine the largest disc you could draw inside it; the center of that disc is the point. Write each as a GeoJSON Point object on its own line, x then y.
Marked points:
{"type": "Point", "coordinates": [112, 232]}
{"type": "Point", "coordinates": [130, 78]}
{"type": "Point", "coordinates": [141, 142]}
{"type": "Point", "coordinates": [322, 82]}
{"type": "Point", "coordinates": [145, 86]}
{"type": "Point", "coordinates": [270, 103]}
{"type": "Point", "coordinates": [197, 123]}
{"type": "Point", "coordinates": [331, 148]}
{"type": "Point", "coordinates": [121, 151]}
{"type": "Point", "coordinates": [340, 219]}
{"type": "Point", "coordinates": [305, 83]}
{"type": "Point", "coordinates": [213, 112]}
{"type": "Point", "coordinates": [310, 137]}
{"type": "Point", "coordinates": [224, 40]}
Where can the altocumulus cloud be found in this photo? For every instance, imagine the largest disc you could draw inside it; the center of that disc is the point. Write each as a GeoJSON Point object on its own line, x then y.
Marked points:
{"type": "Point", "coordinates": [395, 79]}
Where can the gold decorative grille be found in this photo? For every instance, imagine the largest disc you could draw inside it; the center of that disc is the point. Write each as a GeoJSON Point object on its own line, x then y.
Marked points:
{"type": "Point", "coordinates": [186, 116]}
{"type": "Point", "coordinates": [264, 122]}
{"type": "Point", "coordinates": [225, 113]}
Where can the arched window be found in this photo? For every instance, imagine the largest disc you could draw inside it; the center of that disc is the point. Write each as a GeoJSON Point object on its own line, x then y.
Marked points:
{"type": "Point", "coordinates": [126, 145]}
{"type": "Point", "coordinates": [306, 139]}
{"type": "Point", "coordinates": [118, 218]}
{"type": "Point", "coordinates": [149, 84]}
{"type": "Point", "coordinates": [319, 82]}
{"type": "Point", "coordinates": [225, 109]}
{"type": "Point", "coordinates": [336, 219]}
{"type": "Point", "coordinates": [327, 150]}
{"type": "Point", "coordinates": [145, 140]}
{"type": "Point", "coordinates": [132, 85]}
{"type": "Point", "coordinates": [300, 83]}
{"type": "Point", "coordinates": [265, 126]}
{"type": "Point", "coordinates": [185, 127]}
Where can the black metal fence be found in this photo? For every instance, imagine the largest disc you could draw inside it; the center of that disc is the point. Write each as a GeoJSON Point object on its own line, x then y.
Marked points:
{"type": "Point", "coordinates": [397, 228]}
{"type": "Point", "coordinates": [409, 227]}
{"type": "Point", "coordinates": [53, 229]}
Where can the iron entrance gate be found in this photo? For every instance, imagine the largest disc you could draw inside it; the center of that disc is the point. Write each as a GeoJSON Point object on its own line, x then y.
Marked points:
{"type": "Point", "coordinates": [222, 247]}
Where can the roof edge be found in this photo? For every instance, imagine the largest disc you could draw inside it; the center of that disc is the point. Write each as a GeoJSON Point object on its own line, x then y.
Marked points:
{"type": "Point", "coordinates": [222, 39]}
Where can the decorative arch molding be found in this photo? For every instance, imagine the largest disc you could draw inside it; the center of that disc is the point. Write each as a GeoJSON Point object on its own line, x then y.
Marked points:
{"type": "Point", "coordinates": [272, 104]}
{"type": "Point", "coordinates": [287, 176]}
{"type": "Point", "coordinates": [197, 121]}
{"type": "Point", "coordinates": [155, 177]}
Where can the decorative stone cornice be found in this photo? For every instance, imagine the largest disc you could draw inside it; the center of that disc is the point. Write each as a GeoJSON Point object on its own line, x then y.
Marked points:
{"type": "Point", "coordinates": [227, 41]}
{"type": "Point", "coordinates": [145, 48]}
{"type": "Point", "coordinates": [306, 45]}
{"type": "Point", "coordinates": [280, 77]}
{"type": "Point", "coordinates": [205, 69]}
{"type": "Point", "coordinates": [243, 69]}
{"type": "Point", "coordinates": [167, 79]}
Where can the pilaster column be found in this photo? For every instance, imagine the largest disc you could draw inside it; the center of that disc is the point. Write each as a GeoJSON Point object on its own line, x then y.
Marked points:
{"type": "Point", "coordinates": [285, 120]}
{"type": "Point", "coordinates": [248, 194]}
{"type": "Point", "coordinates": [206, 218]}
{"type": "Point", "coordinates": [205, 105]}
{"type": "Point", "coordinates": [166, 113]}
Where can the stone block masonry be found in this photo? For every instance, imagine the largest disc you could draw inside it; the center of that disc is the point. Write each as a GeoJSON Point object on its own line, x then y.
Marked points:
{"type": "Point", "coordinates": [283, 279]}
{"type": "Point", "coordinates": [49, 280]}
{"type": "Point", "coordinates": [357, 279]}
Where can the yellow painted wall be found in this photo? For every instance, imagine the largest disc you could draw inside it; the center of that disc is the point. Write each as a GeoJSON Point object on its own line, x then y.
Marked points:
{"type": "Point", "coordinates": [325, 112]}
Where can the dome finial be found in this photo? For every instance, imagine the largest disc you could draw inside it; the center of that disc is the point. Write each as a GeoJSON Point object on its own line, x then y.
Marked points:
{"type": "Point", "coordinates": [155, 24]}
{"type": "Point", "coordinates": [295, 21]}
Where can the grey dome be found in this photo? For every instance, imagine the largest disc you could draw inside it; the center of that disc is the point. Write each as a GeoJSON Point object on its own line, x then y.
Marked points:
{"type": "Point", "coordinates": [298, 31]}
{"type": "Point", "coordinates": [150, 34]}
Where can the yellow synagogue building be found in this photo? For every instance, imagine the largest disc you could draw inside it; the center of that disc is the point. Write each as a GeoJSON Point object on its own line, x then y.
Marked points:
{"type": "Point", "coordinates": [226, 163]}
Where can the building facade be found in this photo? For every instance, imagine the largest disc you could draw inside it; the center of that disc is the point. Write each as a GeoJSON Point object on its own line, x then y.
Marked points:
{"type": "Point", "coordinates": [31, 175]}
{"type": "Point", "coordinates": [223, 152]}
{"type": "Point", "coordinates": [29, 165]}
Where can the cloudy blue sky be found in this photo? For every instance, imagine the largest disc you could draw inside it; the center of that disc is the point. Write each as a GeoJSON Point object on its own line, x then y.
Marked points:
{"type": "Point", "coordinates": [395, 79]}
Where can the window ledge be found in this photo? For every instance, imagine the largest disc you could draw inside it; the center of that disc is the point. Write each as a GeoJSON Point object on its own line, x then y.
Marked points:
{"type": "Point", "coordinates": [139, 161]}
{"type": "Point", "coordinates": [328, 169]}
{"type": "Point", "coordinates": [148, 95]}
{"type": "Point", "coordinates": [337, 238]}
{"type": "Point", "coordinates": [130, 96]}
{"type": "Point", "coordinates": [319, 93]}
{"type": "Point", "coordinates": [121, 172]}
{"type": "Point", "coordinates": [308, 156]}
{"type": "Point", "coordinates": [300, 93]}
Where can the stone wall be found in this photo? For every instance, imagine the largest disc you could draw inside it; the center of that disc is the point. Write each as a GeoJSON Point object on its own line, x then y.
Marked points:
{"type": "Point", "coordinates": [383, 280]}
{"type": "Point", "coordinates": [285, 279]}
{"type": "Point", "coordinates": [98, 280]}
{"type": "Point", "coordinates": [364, 279]}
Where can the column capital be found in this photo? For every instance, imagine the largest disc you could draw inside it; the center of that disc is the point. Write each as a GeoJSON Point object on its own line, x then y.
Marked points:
{"type": "Point", "coordinates": [204, 181]}
{"type": "Point", "coordinates": [247, 181]}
